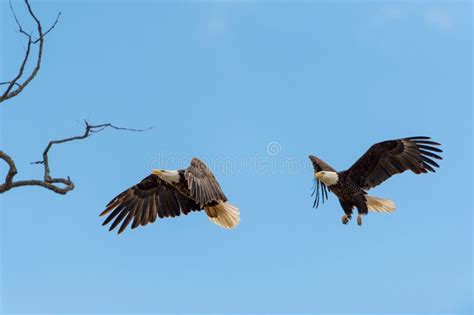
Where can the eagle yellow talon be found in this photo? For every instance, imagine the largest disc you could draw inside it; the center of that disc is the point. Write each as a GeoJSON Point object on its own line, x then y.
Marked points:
{"type": "Point", "coordinates": [345, 219]}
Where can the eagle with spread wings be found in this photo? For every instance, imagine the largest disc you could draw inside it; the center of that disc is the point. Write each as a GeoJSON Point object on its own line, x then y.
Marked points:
{"type": "Point", "coordinates": [170, 193]}
{"type": "Point", "coordinates": [379, 163]}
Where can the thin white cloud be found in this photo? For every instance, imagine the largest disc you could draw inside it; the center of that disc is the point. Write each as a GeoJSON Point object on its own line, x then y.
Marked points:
{"type": "Point", "coordinates": [439, 18]}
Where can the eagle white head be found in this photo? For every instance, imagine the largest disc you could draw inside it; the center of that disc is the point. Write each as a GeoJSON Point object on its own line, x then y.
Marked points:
{"type": "Point", "coordinates": [171, 176]}
{"type": "Point", "coordinates": [328, 178]}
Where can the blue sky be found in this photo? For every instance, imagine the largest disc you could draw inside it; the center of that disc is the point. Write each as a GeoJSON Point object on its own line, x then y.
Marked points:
{"type": "Point", "coordinates": [229, 81]}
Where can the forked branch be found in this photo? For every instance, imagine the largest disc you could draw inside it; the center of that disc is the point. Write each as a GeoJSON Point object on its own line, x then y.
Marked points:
{"type": "Point", "coordinates": [19, 82]}
{"type": "Point", "coordinates": [58, 185]}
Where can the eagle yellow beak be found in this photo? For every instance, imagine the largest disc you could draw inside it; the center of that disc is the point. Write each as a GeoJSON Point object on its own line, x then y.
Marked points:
{"type": "Point", "coordinates": [318, 175]}
{"type": "Point", "coordinates": [156, 171]}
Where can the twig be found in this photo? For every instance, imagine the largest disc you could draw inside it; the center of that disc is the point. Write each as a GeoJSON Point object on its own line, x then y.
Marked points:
{"type": "Point", "coordinates": [8, 82]}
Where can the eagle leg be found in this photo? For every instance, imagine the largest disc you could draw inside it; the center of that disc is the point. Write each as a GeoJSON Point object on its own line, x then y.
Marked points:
{"type": "Point", "coordinates": [345, 218]}
{"type": "Point", "coordinates": [359, 219]}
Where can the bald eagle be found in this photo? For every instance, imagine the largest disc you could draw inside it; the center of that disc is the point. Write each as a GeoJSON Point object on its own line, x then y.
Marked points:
{"type": "Point", "coordinates": [170, 193]}
{"type": "Point", "coordinates": [378, 164]}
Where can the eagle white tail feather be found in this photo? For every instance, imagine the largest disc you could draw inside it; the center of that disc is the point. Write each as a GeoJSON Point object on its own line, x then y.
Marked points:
{"type": "Point", "coordinates": [376, 204]}
{"type": "Point", "coordinates": [224, 215]}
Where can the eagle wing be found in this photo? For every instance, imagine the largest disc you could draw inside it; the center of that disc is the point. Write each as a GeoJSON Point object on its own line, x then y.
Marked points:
{"type": "Point", "coordinates": [319, 165]}
{"type": "Point", "coordinates": [387, 158]}
{"type": "Point", "coordinates": [144, 202]}
{"type": "Point", "coordinates": [202, 184]}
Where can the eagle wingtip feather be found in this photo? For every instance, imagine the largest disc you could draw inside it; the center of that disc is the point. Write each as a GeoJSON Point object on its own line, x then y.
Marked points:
{"type": "Point", "coordinates": [104, 212]}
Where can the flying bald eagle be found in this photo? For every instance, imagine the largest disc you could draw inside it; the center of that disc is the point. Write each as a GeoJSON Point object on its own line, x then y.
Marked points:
{"type": "Point", "coordinates": [378, 164]}
{"type": "Point", "coordinates": [170, 193]}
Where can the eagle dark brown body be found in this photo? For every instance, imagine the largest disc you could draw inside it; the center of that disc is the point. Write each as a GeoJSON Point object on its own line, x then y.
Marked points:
{"type": "Point", "coordinates": [349, 194]}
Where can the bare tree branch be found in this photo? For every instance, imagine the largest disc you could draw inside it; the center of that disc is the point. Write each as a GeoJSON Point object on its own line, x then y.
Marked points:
{"type": "Point", "coordinates": [49, 182]}
{"type": "Point", "coordinates": [10, 91]}
{"type": "Point", "coordinates": [15, 87]}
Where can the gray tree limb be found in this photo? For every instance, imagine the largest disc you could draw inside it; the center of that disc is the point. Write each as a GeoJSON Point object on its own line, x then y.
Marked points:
{"type": "Point", "coordinates": [15, 86]}
{"type": "Point", "coordinates": [58, 185]}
